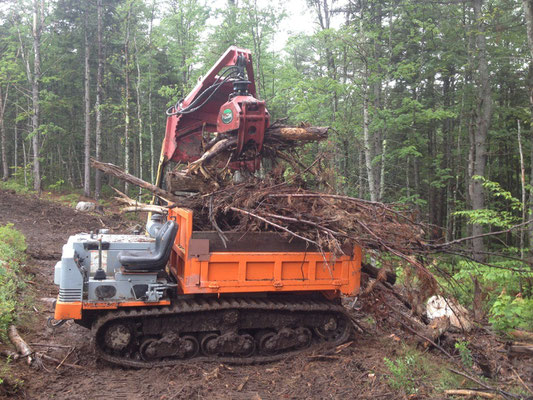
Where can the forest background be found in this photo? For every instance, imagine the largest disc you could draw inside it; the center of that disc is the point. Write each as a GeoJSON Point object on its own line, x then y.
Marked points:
{"type": "Point", "coordinates": [430, 104]}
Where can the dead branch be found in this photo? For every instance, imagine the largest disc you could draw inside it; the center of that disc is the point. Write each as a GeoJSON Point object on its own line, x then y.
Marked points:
{"type": "Point", "coordinates": [218, 148]}
{"type": "Point", "coordinates": [144, 208]}
{"type": "Point", "coordinates": [223, 237]}
{"type": "Point", "coordinates": [471, 393]}
{"type": "Point", "coordinates": [522, 381]}
{"type": "Point", "coordinates": [419, 335]}
{"type": "Point", "coordinates": [503, 393]}
{"type": "Point", "coordinates": [457, 241]}
{"type": "Point", "coordinates": [275, 225]}
{"type": "Point", "coordinates": [135, 206]}
{"type": "Point", "coordinates": [122, 175]}
{"type": "Point", "coordinates": [55, 360]}
{"type": "Point", "coordinates": [65, 358]}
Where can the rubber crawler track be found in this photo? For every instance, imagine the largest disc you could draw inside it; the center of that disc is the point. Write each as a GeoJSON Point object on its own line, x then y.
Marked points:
{"type": "Point", "coordinates": [196, 306]}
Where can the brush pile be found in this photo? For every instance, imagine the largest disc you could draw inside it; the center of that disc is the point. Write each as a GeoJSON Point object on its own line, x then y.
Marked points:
{"type": "Point", "coordinates": [328, 222]}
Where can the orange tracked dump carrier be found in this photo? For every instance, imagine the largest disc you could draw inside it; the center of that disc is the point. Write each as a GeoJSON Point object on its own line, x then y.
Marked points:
{"type": "Point", "coordinates": [183, 294]}
{"type": "Point", "coordinates": [256, 262]}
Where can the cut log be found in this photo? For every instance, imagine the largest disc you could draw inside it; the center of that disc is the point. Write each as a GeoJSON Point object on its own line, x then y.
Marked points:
{"type": "Point", "coordinates": [22, 347]}
{"type": "Point", "coordinates": [374, 273]}
{"type": "Point", "coordinates": [520, 349]}
{"type": "Point", "coordinates": [294, 134]}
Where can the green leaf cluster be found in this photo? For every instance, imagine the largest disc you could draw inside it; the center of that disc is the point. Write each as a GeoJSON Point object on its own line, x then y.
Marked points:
{"type": "Point", "coordinates": [511, 312]}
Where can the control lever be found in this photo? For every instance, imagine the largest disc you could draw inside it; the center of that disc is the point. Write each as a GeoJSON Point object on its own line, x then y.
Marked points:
{"type": "Point", "coordinates": [100, 273]}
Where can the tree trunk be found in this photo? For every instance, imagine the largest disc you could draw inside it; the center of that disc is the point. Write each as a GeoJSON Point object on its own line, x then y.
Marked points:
{"type": "Point", "coordinates": [99, 93]}
{"type": "Point", "coordinates": [127, 101]}
{"type": "Point", "coordinates": [38, 14]}
{"type": "Point", "coordinates": [528, 11]}
{"type": "Point", "coordinates": [152, 155]}
{"type": "Point", "coordinates": [139, 114]}
{"type": "Point", "coordinates": [522, 185]}
{"type": "Point", "coordinates": [98, 103]}
{"type": "Point", "coordinates": [3, 102]}
{"type": "Point", "coordinates": [16, 160]}
{"type": "Point", "coordinates": [367, 143]}
{"type": "Point", "coordinates": [382, 173]}
{"type": "Point", "coordinates": [87, 98]}
{"type": "Point", "coordinates": [484, 113]}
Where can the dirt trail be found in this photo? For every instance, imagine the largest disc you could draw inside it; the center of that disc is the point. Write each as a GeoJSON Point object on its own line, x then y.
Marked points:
{"type": "Point", "coordinates": [355, 371]}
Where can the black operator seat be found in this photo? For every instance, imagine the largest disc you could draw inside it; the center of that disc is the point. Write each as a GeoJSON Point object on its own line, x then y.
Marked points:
{"type": "Point", "coordinates": [141, 260]}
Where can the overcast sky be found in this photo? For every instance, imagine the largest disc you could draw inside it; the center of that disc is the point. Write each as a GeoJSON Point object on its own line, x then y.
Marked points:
{"type": "Point", "coordinates": [299, 18]}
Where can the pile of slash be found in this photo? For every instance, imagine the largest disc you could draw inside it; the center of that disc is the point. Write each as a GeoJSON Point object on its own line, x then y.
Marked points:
{"type": "Point", "coordinates": [278, 198]}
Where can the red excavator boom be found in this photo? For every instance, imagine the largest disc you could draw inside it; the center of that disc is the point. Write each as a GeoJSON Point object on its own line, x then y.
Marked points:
{"type": "Point", "coordinates": [222, 103]}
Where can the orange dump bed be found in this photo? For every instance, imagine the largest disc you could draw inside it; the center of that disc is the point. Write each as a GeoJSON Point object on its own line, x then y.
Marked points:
{"type": "Point", "coordinates": [256, 262]}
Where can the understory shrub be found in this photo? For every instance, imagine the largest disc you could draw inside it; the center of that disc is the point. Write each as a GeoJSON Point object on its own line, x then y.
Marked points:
{"type": "Point", "coordinates": [12, 248]}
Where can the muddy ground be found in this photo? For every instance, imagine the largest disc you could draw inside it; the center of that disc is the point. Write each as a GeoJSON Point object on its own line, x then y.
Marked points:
{"type": "Point", "coordinates": [354, 371]}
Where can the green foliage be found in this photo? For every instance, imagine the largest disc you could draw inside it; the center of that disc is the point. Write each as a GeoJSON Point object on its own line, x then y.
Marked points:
{"type": "Point", "coordinates": [405, 372]}
{"type": "Point", "coordinates": [464, 353]}
{"type": "Point", "coordinates": [12, 247]}
{"type": "Point", "coordinates": [413, 373]}
{"type": "Point", "coordinates": [507, 286]}
{"type": "Point", "coordinates": [508, 312]}
{"type": "Point", "coordinates": [505, 211]}
{"type": "Point", "coordinates": [71, 199]}
{"type": "Point", "coordinates": [17, 180]}
{"type": "Point", "coordinates": [7, 379]}
{"type": "Point", "coordinates": [57, 185]}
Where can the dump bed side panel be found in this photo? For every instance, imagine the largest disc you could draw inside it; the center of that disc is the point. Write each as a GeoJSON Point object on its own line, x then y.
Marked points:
{"type": "Point", "coordinates": [201, 265]}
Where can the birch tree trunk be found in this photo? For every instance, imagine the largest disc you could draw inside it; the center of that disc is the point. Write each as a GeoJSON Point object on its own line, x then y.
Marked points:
{"type": "Point", "coordinates": [127, 101]}
{"type": "Point", "coordinates": [38, 15]}
{"type": "Point", "coordinates": [139, 114]}
{"type": "Point", "coordinates": [382, 172]}
{"type": "Point", "coordinates": [3, 139]}
{"type": "Point", "coordinates": [87, 98]}
{"type": "Point", "coordinates": [367, 142]}
{"type": "Point", "coordinates": [16, 160]}
{"type": "Point", "coordinates": [484, 113]}
{"type": "Point", "coordinates": [98, 104]}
